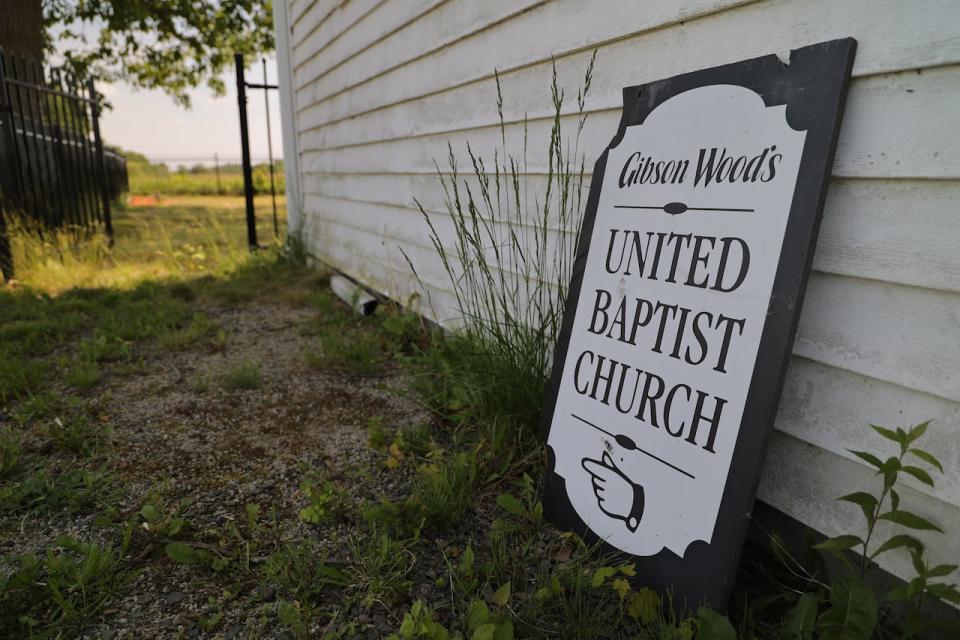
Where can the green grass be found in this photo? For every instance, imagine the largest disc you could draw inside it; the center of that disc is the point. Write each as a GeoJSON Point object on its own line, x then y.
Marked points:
{"type": "Point", "coordinates": [56, 594]}
{"type": "Point", "coordinates": [176, 237]}
{"type": "Point", "coordinates": [244, 375]}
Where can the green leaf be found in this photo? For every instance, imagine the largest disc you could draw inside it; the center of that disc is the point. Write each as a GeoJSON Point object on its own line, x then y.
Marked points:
{"type": "Point", "coordinates": [946, 592]}
{"type": "Point", "coordinates": [621, 586]}
{"type": "Point", "coordinates": [713, 626]}
{"type": "Point", "coordinates": [149, 512]}
{"type": "Point", "coordinates": [890, 434]}
{"type": "Point", "coordinates": [894, 500]}
{"type": "Point", "coordinates": [477, 615]}
{"type": "Point", "coordinates": [866, 502]}
{"type": "Point", "coordinates": [839, 543]}
{"type": "Point", "coordinates": [799, 623]}
{"type": "Point", "coordinates": [918, 473]}
{"type": "Point", "coordinates": [910, 520]}
{"type": "Point", "coordinates": [484, 632]}
{"type": "Point", "coordinates": [852, 614]}
{"type": "Point", "coordinates": [504, 631]}
{"type": "Point", "coordinates": [644, 606]}
{"type": "Point", "coordinates": [941, 570]}
{"type": "Point", "coordinates": [601, 575]}
{"type": "Point", "coordinates": [181, 553]}
{"type": "Point", "coordinates": [543, 594]}
{"type": "Point", "coordinates": [501, 595]}
{"type": "Point", "coordinates": [916, 557]}
{"type": "Point", "coordinates": [927, 457]}
{"type": "Point", "coordinates": [868, 458]}
{"type": "Point", "coordinates": [917, 431]}
{"type": "Point", "coordinates": [896, 542]}
{"type": "Point", "coordinates": [466, 562]}
{"type": "Point", "coordinates": [510, 504]}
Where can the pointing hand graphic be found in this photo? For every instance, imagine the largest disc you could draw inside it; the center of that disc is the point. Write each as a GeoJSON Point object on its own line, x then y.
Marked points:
{"type": "Point", "coordinates": [617, 495]}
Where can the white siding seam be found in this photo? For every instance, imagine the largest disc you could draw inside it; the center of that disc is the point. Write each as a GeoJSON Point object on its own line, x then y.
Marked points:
{"type": "Point", "coordinates": [312, 4]}
{"type": "Point", "coordinates": [336, 37]}
{"type": "Point", "coordinates": [361, 47]}
{"type": "Point", "coordinates": [529, 119]}
{"type": "Point", "coordinates": [426, 54]}
{"type": "Point", "coordinates": [506, 70]}
{"type": "Point", "coordinates": [598, 45]}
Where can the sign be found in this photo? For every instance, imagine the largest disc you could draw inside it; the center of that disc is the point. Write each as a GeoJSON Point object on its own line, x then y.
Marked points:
{"type": "Point", "coordinates": [690, 272]}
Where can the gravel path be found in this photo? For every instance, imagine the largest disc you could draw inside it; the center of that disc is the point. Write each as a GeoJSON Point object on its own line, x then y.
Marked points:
{"type": "Point", "coordinates": [177, 430]}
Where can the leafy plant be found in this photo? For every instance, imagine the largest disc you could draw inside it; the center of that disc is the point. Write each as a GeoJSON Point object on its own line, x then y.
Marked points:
{"type": "Point", "coordinates": [418, 622]}
{"type": "Point", "coordinates": [327, 502]}
{"type": "Point", "coordinates": [852, 611]}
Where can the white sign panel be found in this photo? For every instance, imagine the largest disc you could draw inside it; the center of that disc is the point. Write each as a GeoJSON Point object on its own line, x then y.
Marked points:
{"type": "Point", "coordinates": [693, 257]}
{"type": "Point", "coordinates": [670, 315]}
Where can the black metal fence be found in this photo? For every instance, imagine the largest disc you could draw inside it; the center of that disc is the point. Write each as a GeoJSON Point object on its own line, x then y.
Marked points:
{"type": "Point", "coordinates": [54, 171]}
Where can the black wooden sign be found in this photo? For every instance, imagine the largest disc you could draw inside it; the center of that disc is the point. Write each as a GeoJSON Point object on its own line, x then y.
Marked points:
{"type": "Point", "coordinates": [690, 272]}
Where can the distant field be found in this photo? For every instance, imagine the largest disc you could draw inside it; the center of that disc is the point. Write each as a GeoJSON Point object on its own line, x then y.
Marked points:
{"type": "Point", "coordinates": [157, 179]}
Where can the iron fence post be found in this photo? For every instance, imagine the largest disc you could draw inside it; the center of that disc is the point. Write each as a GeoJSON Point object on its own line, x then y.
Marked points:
{"type": "Point", "coordinates": [245, 151]}
{"type": "Point", "coordinates": [7, 181]}
{"type": "Point", "coordinates": [101, 163]}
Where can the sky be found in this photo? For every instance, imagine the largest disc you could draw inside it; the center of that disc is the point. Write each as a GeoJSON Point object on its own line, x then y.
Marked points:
{"type": "Point", "coordinates": [151, 123]}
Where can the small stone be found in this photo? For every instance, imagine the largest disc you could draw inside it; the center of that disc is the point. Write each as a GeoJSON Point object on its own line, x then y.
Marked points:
{"type": "Point", "coordinates": [175, 598]}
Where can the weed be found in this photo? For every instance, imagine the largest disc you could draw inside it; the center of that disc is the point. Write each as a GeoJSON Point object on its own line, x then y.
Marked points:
{"type": "Point", "coordinates": [327, 503]}
{"type": "Point", "coordinates": [509, 266]}
{"type": "Point", "coordinates": [10, 452]}
{"type": "Point", "coordinates": [852, 607]}
{"type": "Point", "coordinates": [82, 373]}
{"type": "Point", "coordinates": [300, 571]}
{"type": "Point", "coordinates": [377, 436]}
{"type": "Point", "coordinates": [199, 329]}
{"type": "Point", "coordinates": [447, 486]}
{"type": "Point", "coordinates": [58, 593]}
{"type": "Point", "coordinates": [19, 376]}
{"type": "Point", "coordinates": [355, 351]}
{"type": "Point", "coordinates": [76, 490]}
{"type": "Point", "coordinates": [379, 567]}
{"type": "Point", "coordinates": [419, 623]}
{"type": "Point", "coordinates": [245, 375]}
{"type": "Point", "coordinates": [402, 519]}
{"type": "Point", "coordinates": [37, 407]}
{"type": "Point", "coordinates": [104, 348]}
{"type": "Point", "coordinates": [78, 435]}
{"type": "Point", "coordinates": [199, 383]}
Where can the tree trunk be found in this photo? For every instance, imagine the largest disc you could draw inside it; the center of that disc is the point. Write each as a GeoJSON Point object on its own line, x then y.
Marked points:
{"type": "Point", "coordinates": [21, 28]}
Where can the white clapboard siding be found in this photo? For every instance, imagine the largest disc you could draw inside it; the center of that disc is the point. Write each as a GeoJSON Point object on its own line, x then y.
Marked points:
{"type": "Point", "coordinates": [846, 322]}
{"type": "Point", "coordinates": [339, 51]}
{"type": "Point", "coordinates": [314, 24]}
{"type": "Point", "coordinates": [871, 228]}
{"type": "Point", "coordinates": [905, 113]}
{"type": "Point", "coordinates": [666, 51]}
{"type": "Point", "coordinates": [379, 88]}
{"type": "Point", "coordinates": [803, 480]}
{"type": "Point", "coordinates": [410, 39]}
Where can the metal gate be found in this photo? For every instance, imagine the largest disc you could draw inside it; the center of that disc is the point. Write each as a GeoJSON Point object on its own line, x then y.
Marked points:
{"type": "Point", "coordinates": [54, 171]}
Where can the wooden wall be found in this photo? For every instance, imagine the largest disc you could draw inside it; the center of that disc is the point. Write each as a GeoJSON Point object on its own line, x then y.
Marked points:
{"type": "Point", "coordinates": [378, 88]}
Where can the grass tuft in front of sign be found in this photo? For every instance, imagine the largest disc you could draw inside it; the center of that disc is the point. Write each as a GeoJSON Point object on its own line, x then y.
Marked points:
{"type": "Point", "coordinates": [511, 260]}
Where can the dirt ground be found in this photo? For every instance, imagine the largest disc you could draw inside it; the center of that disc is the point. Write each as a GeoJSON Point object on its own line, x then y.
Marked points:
{"type": "Point", "coordinates": [176, 431]}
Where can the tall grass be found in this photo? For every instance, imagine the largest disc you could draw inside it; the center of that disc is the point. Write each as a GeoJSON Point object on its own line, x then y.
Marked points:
{"type": "Point", "coordinates": [510, 261]}
{"type": "Point", "coordinates": [180, 237]}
